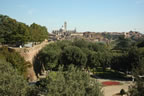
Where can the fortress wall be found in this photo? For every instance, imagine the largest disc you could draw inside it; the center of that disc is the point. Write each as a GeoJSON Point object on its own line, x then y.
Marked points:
{"type": "Point", "coordinates": [29, 54]}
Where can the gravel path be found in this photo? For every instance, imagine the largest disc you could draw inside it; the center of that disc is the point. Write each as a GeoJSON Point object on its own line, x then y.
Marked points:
{"type": "Point", "coordinates": [111, 90]}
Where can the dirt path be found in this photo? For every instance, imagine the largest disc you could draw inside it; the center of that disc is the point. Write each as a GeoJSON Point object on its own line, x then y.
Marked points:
{"type": "Point", "coordinates": [111, 90]}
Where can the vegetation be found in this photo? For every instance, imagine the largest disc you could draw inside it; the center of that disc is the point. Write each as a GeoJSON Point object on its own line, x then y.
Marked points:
{"type": "Point", "coordinates": [121, 60]}
{"type": "Point", "coordinates": [67, 63]}
{"type": "Point", "coordinates": [82, 56]}
{"type": "Point", "coordinates": [122, 92]}
{"type": "Point", "coordinates": [17, 33]}
{"type": "Point", "coordinates": [138, 88]}
{"type": "Point", "coordinates": [11, 82]}
{"type": "Point", "coordinates": [16, 61]}
{"type": "Point", "coordinates": [67, 83]}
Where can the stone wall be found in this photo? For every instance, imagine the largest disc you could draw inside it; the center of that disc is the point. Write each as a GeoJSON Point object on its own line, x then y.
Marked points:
{"type": "Point", "coordinates": [29, 54]}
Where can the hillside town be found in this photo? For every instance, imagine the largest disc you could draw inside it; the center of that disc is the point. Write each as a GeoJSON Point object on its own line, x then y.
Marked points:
{"type": "Point", "coordinates": [71, 48]}
{"type": "Point", "coordinates": [105, 37]}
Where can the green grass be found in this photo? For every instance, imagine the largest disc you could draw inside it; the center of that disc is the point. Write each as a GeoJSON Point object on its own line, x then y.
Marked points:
{"type": "Point", "coordinates": [110, 74]}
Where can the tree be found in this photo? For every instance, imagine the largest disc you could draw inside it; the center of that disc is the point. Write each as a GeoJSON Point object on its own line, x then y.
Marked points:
{"type": "Point", "coordinates": [38, 33]}
{"type": "Point", "coordinates": [66, 83]}
{"type": "Point", "coordinates": [7, 27]}
{"type": "Point", "coordinates": [138, 88]}
{"type": "Point", "coordinates": [126, 61]}
{"type": "Point", "coordinates": [123, 43]}
{"type": "Point", "coordinates": [119, 62]}
{"type": "Point", "coordinates": [92, 60]}
{"type": "Point", "coordinates": [63, 44]}
{"type": "Point", "coordinates": [97, 47]}
{"type": "Point", "coordinates": [80, 43]}
{"type": "Point", "coordinates": [47, 58]}
{"type": "Point", "coordinates": [15, 60]}
{"type": "Point", "coordinates": [73, 55]}
{"type": "Point", "coordinates": [13, 32]}
{"type": "Point", "coordinates": [105, 59]}
{"type": "Point", "coordinates": [11, 82]}
{"type": "Point", "coordinates": [133, 59]}
{"type": "Point", "coordinates": [17, 33]}
{"type": "Point", "coordinates": [140, 44]}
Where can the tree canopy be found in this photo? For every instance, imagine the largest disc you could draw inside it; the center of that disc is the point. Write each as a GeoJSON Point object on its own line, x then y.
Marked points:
{"type": "Point", "coordinates": [11, 82]}
{"type": "Point", "coordinates": [17, 33]}
{"type": "Point", "coordinates": [67, 83]}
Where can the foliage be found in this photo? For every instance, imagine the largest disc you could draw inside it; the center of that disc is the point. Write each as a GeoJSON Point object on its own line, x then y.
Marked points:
{"type": "Point", "coordinates": [80, 43]}
{"type": "Point", "coordinates": [119, 62]}
{"type": "Point", "coordinates": [105, 59]}
{"type": "Point", "coordinates": [81, 53]}
{"type": "Point", "coordinates": [122, 92]}
{"type": "Point", "coordinates": [126, 61]}
{"type": "Point", "coordinates": [47, 58]}
{"type": "Point", "coordinates": [140, 44]}
{"type": "Point", "coordinates": [13, 32]}
{"type": "Point", "coordinates": [11, 82]}
{"type": "Point", "coordinates": [15, 60]}
{"type": "Point", "coordinates": [92, 60]}
{"type": "Point", "coordinates": [110, 74]}
{"type": "Point", "coordinates": [97, 47]}
{"type": "Point", "coordinates": [123, 43]}
{"type": "Point", "coordinates": [138, 88]}
{"type": "Point", "coordinates": [73, 55]}
{"type": "Point", "coordinates": [66, 83]}
{"type": "Point", "coordinates": [17, 33]}
{"type": "Point", "coordinates": [38, 33]}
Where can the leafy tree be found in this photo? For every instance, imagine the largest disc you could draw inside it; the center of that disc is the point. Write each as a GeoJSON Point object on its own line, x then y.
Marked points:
{"type": "Point", "coordinates": [119, 62]}
{"type": "Point", "coordinates": [15, 60]}
{"type": "Point", "coordinates": [105, 59]}
{"type": "Point", "coordinates": [23, 35]}
{"type": "Point", "coordinates": [11, 82]}
{"type": "Point", "coordinates": [66, 83]}
{"type": "Point", "coordinates": [123, 43]}
{"type": "Point", "coordinates": [138, 88]}
{"type": "Point", "coordinates": [63, 44]}
{"type": "Point", "coordinates": [73, 55]}
{"type": "Point", "coordinates": [38, 33]}
{"type": "Point", "coordinates": [7, 27]}
{"type": "Point", "coordinates": [92, 60]}
{"type": "Point", "coordinates": [134, 57]}
{"type": "Point", "coordinates": [97, 47]}
{"type": "Point", "coordinates": [13, 32]}
{"type": "Point", "coordinates": [80, 43]}
{"type": "Point", "coordinates": [47, 58]}
{"type": "Point", "coordinates": [17, 33]}
{"type": "Point", "coordinates": [127, 61]}
{"type": "Point", "coordinates": [140, 44]}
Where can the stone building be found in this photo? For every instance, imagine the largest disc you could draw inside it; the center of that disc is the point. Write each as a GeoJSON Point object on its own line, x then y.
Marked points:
{"type": "Point", "coordinates": [132, 34]}
{"type": "Point", "coordinates": [63, 30]}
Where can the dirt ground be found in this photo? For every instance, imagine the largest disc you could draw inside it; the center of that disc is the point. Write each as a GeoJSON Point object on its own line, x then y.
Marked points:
{"type": "Point", "coordinates": [111, 90]}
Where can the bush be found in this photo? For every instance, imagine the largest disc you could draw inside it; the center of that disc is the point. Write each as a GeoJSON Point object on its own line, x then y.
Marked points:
{"type": "Point", "coordinates": [122, 92]}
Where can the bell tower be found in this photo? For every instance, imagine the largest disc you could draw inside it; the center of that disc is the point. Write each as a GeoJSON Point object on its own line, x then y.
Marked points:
{"type": "Point", "coordinates": [65, 26]}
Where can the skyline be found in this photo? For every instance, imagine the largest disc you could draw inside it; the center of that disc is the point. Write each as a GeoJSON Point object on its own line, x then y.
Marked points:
{"type": "Point", "coordinates": [85, 15]}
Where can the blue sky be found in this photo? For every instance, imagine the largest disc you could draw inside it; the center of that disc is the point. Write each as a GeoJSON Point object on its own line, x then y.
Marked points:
{"type": "Point", "coordinates": [85, 15]}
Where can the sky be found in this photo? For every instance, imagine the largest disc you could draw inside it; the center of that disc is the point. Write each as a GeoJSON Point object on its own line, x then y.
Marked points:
{"type": "Point", "coordinates": [84, 15]}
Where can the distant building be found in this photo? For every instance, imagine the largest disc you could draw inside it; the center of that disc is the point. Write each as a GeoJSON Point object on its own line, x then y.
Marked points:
{"type": "Point", "coordinates": [93, 36]}
{"type": "Point", "coordinates": [63, 30]}
{"type": "Point", "coordinates": [132, 34]}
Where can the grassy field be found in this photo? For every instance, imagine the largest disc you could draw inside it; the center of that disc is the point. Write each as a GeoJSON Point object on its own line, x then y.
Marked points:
{"type": "Point", "coordinates": [110, 74]}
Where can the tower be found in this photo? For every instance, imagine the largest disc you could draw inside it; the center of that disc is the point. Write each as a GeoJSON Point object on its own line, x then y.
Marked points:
{"type": "Point", "coordinates": [65, 26]}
